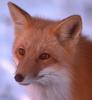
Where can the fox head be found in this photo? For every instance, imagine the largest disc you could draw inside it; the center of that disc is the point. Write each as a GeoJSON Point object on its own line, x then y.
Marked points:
{"type": "Point", "coordinates": [42, 47]}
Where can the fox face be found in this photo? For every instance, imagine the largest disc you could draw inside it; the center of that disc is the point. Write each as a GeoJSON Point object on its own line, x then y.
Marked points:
{"type": "Point", "coordinates": [42, 47]}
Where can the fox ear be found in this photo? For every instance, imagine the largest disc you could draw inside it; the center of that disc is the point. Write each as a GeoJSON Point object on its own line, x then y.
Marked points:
{"type": "Point", "coordinates": [68, 30]}
{"type": "Point", "coordinates": [19, 16]}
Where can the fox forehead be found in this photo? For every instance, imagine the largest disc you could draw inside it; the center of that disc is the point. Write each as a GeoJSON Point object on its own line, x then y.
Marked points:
{"type": "Point", "coordinates": [39, 32]}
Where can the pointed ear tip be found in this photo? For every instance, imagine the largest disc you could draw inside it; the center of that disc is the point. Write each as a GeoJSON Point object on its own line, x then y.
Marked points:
{"type": "Point", "coordinates": [77, 17]}
{"type": "Point", "coordinates": [10, 4]}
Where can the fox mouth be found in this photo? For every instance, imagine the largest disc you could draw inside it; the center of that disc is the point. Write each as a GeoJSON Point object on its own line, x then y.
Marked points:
{"type": "Point", "coordinates": [24, 83]}
{"type": "Point", "coordinates": [42, 76]}
{"type": "Point", "coordinates": [30, 81]}
{"type": "Point", "coordinates": [37, 79]}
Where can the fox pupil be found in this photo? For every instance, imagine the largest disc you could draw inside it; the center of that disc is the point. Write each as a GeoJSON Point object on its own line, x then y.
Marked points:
{"type": "Point", "coordinates": [44, 56]}
{"type": "Point", "coordinates": [21, 51]}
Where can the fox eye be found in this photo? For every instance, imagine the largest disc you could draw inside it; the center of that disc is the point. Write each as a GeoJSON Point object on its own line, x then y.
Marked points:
{"type": "Point", "coordinates": [21, 51]}
{"type": "Point", "coordinates": [44, 56]}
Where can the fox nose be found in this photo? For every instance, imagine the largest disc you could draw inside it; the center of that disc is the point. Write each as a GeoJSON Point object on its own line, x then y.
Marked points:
{"type": "Point", "coordinates": [19, 77]}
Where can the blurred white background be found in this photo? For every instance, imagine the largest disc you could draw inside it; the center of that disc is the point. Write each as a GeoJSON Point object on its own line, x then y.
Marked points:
{"type": "Point", "coordinates": [51, 9]}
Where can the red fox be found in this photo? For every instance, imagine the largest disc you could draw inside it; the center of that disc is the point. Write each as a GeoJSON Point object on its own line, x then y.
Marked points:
{"type": "Point", "coordinates": [52, 57]}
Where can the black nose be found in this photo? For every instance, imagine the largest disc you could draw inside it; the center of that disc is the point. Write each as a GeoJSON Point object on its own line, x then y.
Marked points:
{"type": "Point", "coordinates": [19, 77]}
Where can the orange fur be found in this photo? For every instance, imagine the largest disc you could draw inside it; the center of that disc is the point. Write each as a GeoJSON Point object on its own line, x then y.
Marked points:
{"type": "Point", "coordinates": [69, 68]}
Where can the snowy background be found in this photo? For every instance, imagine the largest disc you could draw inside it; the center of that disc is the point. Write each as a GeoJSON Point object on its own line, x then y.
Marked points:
{"type": "Point", "coordinates": [52, 9]}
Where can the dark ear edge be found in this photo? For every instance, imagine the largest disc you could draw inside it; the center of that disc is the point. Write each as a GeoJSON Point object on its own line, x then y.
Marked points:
{"type": "Point", "coordinates": [12, 5]}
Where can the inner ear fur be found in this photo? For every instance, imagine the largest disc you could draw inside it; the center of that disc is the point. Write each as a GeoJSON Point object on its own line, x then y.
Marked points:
{"type": "Point", "coordinates": [68, 30]}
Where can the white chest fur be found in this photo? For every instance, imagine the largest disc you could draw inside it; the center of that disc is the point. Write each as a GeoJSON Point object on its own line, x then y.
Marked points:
{"type": "Point", "coordinates": [55, 86]}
